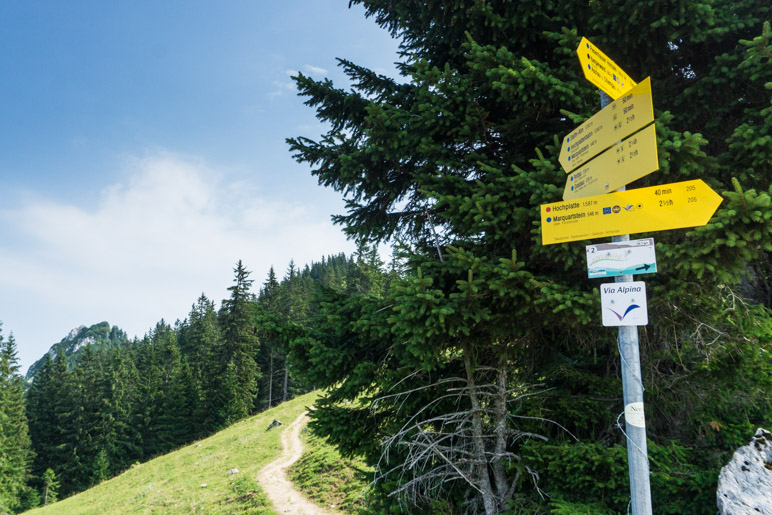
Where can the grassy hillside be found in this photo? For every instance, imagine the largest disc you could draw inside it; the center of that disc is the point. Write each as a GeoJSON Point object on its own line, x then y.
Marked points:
{"type": "Point", "coordinates": [329, 479]}
{"type": "Point", "coordinates": [174, 483]}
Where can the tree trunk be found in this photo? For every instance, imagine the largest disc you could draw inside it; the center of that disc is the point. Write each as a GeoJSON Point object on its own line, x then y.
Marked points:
{"type": "Point", "coordinates": [286, 380]}
{"type": "Point", "coordinates": [481, 468]}
{"type": "Point", "coordinates": [500, 430]}
{"type": "Point", "coordinates": [270, 383]}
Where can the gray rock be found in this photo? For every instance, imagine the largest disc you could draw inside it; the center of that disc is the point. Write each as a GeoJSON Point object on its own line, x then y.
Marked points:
{"type": "Point", "coordinates": [745, 484]}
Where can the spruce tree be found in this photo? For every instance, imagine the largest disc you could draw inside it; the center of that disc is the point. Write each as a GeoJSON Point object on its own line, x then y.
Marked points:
{"type": "Point", "coordinates": [164, 417]}
{"type": "Point", "coordinates": [48, 409]}
{"type": "Point", "coordinates": [240, 345]}
{"type": "Point", "coordinates": [50, 487]}
{"type": "Point", "coordinates": [15, 452]}
{"type": "Point", "coordinates": [453, 160]}
{"type": "Point", "coordinates": [88, 428]}
{"type": "Point", "coordinates": [204, 342]}
{"type": "Point", "coordinates": [122, 401]}
{"type": "Point", "coordinates": [170, 416]}
{"type": "Point", "coordinates": [267, 358]}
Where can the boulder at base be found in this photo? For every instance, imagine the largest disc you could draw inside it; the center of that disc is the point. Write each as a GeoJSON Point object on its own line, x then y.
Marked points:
{"type": "Point", "coordinates": [745, 484]}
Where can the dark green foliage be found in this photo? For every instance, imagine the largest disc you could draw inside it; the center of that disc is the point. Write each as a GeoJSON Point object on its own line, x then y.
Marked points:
{"type": "Point", "coordinates": [464, 145]}
{"type": "Point", "coordinates": [593, 475]}
{"type": "Point", "coordinates": [164, 414]}
{"type": "Point", "coordinates": [240, 345]}
{"type": "Point", "coordinates": [15, 452]}
{"type": "Point", "coordinates": [201, 342]}
{"type": "Point", "coordinates": [285, 307]}
{"type": "Point", "coordinates": [45, 410]}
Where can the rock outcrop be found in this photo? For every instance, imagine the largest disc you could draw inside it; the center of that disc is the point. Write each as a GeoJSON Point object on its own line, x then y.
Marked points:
{"type": "Point", "coordinates": [745, 484]}
{"type": "Point", "coordinates": [72, 345]}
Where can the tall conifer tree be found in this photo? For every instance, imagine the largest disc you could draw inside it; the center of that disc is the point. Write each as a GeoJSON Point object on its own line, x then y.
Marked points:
{"type": "Point", "coordinates": [15, 453]}
{"type": "Point", "coordinates": [48, 409]}
{"type": "Point", "coordinates": [204, 342]}
{"type": "Point", "coordinates": [240, 344]}
{"type": "Point", "coordinates": [453, 160]}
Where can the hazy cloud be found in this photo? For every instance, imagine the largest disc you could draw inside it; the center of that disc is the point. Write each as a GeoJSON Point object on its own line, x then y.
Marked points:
{"type": "Point", "coordinates": [281, 88]}
{"type": "Point", "coordinates": [314, 70]}
{"type": "Point", "coordinates": [149, 247]}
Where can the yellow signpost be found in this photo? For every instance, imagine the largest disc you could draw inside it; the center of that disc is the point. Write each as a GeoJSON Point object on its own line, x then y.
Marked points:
{"type": "Point", "coordinates": [619, 119]}
{"type": "Point", "coordinates": [656, 208]}
{"type": "Point", "coordinates": [602, 71]}
{"type": "Point", "coordinates": [618, 166]}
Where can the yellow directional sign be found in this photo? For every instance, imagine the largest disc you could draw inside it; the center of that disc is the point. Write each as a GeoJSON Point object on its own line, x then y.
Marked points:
{"type": "Point", "coordinates": [656, 208]}
{"type": "Point", "coordinates": [602, 71]}
{"type": "Point", "coordinates": [618, 166]}
{"type": "Point", "coordinates": [620, 118]}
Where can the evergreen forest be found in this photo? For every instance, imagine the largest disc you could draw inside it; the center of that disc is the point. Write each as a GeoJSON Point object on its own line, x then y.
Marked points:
{"type": "Point", "coordinates": [473, 373]}
{"type": "Point", "coordinates": [91, 414]}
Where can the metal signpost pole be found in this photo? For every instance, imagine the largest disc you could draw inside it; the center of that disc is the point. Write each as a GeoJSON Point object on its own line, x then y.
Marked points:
{"type": "Point", "coordinates": [632, 387]}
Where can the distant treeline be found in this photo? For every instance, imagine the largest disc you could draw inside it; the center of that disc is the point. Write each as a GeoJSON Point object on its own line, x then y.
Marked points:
{"type": "Point", "coordinates": [126, 404]}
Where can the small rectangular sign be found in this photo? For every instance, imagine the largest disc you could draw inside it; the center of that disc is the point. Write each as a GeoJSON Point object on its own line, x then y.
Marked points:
{"type": "Point", "coordinates": [621, 258]}
{"type": "Point", "coordinates": [624, 304]}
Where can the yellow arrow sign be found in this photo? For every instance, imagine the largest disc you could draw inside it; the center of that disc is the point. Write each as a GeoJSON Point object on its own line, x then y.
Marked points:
{"type": "Point", "coordinates": [618, 166]}
{"type": "Point", "coordinates": [602, 71]}
{"type": "Point", "coordinates": [620, 118]}
{"type": "Point", "coordinates": [656, 208]}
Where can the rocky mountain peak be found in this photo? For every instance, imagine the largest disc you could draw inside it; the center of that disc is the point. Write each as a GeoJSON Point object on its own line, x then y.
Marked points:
{"type": "Point", "coordinates": [101, 335]}
{"type": "Point", "coordinates": [74, 332]}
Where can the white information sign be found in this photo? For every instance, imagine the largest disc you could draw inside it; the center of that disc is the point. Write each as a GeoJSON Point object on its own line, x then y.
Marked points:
{"type": "Point", "coordinates": [634, 414]}
{"type": "Point", "coordinates": [624, 304]}
{"type": "Point", "coordinates": [621, 258]}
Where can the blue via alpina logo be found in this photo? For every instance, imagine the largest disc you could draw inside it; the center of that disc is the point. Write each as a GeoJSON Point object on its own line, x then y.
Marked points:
{"type": "Point", "coordinates": [627, 311]}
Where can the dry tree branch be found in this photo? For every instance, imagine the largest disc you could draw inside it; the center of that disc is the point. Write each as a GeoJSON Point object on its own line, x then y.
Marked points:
{"type": "Point", "coordinates": [469, 443]}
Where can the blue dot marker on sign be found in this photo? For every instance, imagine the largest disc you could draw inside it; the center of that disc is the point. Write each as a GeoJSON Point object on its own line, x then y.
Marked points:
{"type": "Point", "coordinates": [572, 177]}
{"type": "Point", "coordinates": [572, 188]}
{"type": "Point", "coordinates": [615, 76]}
{"type": "Point", "coordinates": [589, 67]}
{"type": "Point", "coordinates": [569, 158]}
{"type": "Point", "coordinates": [549, 219]}
{"type": "Point", "coordinates": [588, 45]}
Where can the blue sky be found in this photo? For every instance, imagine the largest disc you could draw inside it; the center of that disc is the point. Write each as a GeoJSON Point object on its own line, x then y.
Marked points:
{"type": "Point", "coordinates": [142, 153]}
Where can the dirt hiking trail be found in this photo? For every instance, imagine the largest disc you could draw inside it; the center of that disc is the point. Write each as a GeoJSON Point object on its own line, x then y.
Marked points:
{"type": "Point", "coordinates": [273, 477]}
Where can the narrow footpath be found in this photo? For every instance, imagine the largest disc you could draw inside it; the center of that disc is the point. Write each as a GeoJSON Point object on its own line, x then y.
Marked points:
{"type": "Point", "coordinates": [273, 477]}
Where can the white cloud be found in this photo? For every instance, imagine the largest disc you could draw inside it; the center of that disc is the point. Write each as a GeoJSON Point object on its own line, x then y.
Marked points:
{"type": "Point", "coordinates": [146, 250]}
{"type": "Point", "coordinates": [281, 88]}
{"type": "Point", "coordinates": [314, 70]}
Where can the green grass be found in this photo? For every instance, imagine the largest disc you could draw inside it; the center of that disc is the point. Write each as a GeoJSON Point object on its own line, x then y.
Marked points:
{"type": "Point", "coordinates": [328, 479]}
{"type": "Point", "coordinates": [173, 483]}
